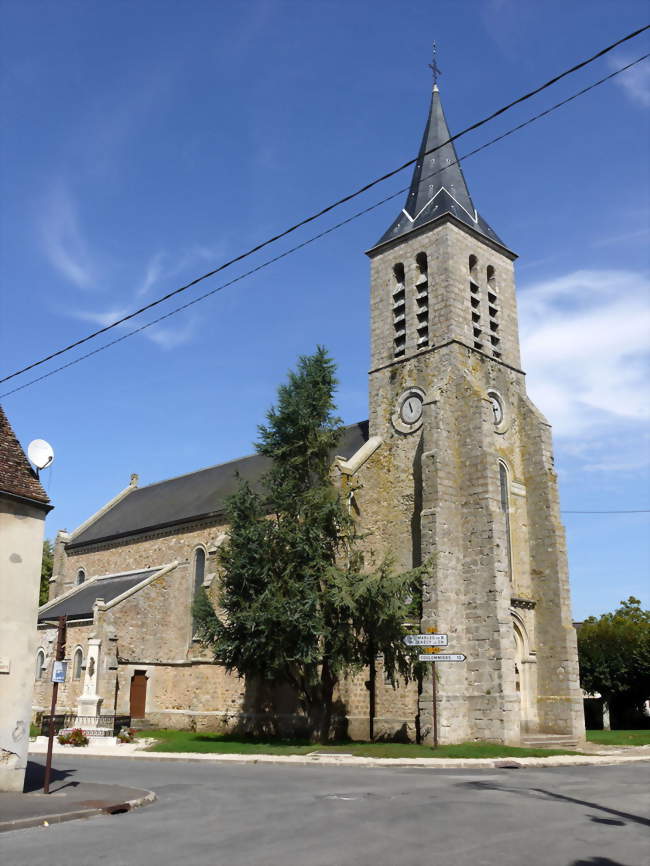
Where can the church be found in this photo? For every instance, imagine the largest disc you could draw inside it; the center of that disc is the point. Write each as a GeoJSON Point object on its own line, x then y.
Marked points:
{"type": "Point", "coordinates": [454, 466]}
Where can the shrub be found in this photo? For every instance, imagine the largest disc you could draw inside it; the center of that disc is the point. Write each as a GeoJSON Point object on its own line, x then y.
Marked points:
{"type": "Point", "coordinates": [75, 737]}
{"type": "Point", "coordinates": [126, 735]}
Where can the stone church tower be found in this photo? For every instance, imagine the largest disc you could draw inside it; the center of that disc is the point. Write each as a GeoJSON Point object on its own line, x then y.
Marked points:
{"type": "Point", "coordinates": [464, 477]}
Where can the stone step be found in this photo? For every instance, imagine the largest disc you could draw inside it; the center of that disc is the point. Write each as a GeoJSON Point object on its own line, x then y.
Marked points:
{"type": "Point", "coordinates": [549, 741]}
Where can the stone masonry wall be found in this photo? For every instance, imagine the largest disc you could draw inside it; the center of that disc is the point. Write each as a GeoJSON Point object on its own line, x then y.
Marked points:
{"type": "Point", "coordinates": [436, 492]}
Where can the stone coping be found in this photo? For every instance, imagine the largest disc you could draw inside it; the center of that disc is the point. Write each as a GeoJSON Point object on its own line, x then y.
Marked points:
{"type": "Point", "coordinates": [137, 751]}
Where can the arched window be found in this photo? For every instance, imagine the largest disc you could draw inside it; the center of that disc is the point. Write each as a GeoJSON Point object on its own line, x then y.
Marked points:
{"type": "Point", "coordinates": [199, 568]}
{"type": "Point", "coordinates": [40, 665]}
{"type": "Point", "coordinates": [77, 663]}
{"type": "Point", "coordinates": [475, 300]}
{"type": "Point", "coordinates": [81, 576]}
{"type": "Point", "coordinates": [422, 300]}
{"type": "Point", "coordinates": [199, 577]}
{"type": "Point", "coordinates": [399, 310]}
{"type": "Point", "coordinates": [493, 311]}
{"type": "Point", "coordinates": [505, 508]}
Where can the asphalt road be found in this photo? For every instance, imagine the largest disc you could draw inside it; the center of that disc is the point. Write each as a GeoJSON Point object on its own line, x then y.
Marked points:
{"type": "Point", "coordinates": [267, 815]}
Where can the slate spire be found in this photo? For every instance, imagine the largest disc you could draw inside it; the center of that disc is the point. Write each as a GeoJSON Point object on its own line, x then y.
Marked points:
{"type": "Point", "coordinates": [438, 186]}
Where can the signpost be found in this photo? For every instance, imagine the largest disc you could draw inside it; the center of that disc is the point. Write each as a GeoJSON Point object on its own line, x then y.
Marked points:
{"type": "Point", "coordinates": [56, 679]}
{"type": "Point", "coordinates": [426, 639]}
{"type": "Point", "coordinates": [431, 640]}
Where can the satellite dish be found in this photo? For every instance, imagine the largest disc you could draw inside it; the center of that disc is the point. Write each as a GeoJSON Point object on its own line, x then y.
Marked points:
{"type": "Point", "coordinates": [40, 453]}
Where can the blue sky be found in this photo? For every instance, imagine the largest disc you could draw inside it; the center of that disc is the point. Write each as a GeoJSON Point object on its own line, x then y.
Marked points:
{"type": "Point", "coordinates": [144, 143]}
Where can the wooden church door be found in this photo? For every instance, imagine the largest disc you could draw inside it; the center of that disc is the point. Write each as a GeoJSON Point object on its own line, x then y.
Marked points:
{"type": "Point", "coordinates": [138, 697]}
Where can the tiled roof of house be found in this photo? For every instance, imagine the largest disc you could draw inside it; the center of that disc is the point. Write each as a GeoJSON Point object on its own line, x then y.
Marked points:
{"type": "Point", "coordinates": [16, 475]}
{"type": "Point", "coordinates": [195, 496]}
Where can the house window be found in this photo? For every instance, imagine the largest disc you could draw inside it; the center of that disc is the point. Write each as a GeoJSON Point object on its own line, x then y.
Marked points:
{"type": "Point", "coordinates": [77, 664]}
{"type": "Point", "coordinates": [81, 576]}
{"type": "Point", "coordinates": [40, 665]}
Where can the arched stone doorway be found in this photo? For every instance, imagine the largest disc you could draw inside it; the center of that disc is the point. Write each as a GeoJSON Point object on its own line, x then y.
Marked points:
{"type": "Point", "coordinates": [524, 676]}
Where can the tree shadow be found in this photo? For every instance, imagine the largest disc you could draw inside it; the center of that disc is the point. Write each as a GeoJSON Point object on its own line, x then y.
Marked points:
{"type": "Point", "coordinates": [272, 711]}
{"type": "Point", "coordinates": [637, 819]}
{"type": "Point", "coordinates": [401, 735]}
{"type": "Point", "coordinates": [35, 776]}
{"type": "Point", "coordinates": [597, 861]}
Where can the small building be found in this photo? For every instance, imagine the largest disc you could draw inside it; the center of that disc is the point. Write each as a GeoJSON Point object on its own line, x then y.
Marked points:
{"type": "Point", "coordinates": [23, 508]}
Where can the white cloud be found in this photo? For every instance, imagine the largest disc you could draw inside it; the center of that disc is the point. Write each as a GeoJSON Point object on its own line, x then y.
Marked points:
{"type": "Point", "coordinates": [178, 334]}
{"type": "Point", "coordinates": [172, 337]}
{"type": "Point", "coordinates": [585, 345]}
{"type": "Point", "coordinates": [100, 318]}
{"type": "Point", "coordinates": [63, 240]}
{"type": "Point", "coordinates": [152, 275]}
{"type": "Point", "coordinates": [635, 81]}
{"type": "Point", "coordinates": [183, 327]}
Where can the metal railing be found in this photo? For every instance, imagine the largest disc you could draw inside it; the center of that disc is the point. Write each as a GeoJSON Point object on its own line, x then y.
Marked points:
{"type": "Point", "coordinates": [111, 724]}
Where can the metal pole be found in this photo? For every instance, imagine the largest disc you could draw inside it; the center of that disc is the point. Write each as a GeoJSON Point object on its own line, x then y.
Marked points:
{"type": "Point", "coordinates": [60, 652]}
{"type": "Point", "coordinates": [435, 705]}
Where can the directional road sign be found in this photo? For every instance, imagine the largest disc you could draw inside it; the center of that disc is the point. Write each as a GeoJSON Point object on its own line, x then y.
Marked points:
{"type": "Point", "coordinates": [425, 640]}
{"type": "Point", "coordinates": [442, 657]}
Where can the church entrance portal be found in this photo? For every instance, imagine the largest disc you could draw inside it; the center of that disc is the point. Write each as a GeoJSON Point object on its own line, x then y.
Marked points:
{"type": "Point", "coordinates": [521, 677]}
{"type": "Point", "coordinates": [138, 697]}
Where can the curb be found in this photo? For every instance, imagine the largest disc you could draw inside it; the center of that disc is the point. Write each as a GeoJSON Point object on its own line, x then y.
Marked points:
{"type": "Point", "coordinates": [61, 817]}
{"type": "Point", "coordinates": [355, 761]}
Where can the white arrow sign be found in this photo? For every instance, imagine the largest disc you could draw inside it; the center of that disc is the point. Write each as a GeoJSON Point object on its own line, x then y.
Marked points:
{"type": "Point", "coordinates": [425, 640]}
{"type": "Point", "coordinates": [442, 657]}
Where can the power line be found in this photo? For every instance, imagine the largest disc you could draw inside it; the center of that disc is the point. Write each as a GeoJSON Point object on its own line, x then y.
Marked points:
{"type": "Point", "coordinates": [318, 236]}
{"type": "Point", "coordinates": [631, 511]}
{"type": "Point", "coordinates": [328, 208]}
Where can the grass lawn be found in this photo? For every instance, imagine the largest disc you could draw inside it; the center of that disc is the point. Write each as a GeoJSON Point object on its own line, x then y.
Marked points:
{"type": "Point", "coordinates": [187, 741]}
{"type": "Point", "coordinates": [620, 738]}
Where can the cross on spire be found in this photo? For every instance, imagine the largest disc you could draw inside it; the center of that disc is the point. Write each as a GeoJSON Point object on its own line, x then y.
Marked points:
{"type": "Point", "coordinates": [433, 66]}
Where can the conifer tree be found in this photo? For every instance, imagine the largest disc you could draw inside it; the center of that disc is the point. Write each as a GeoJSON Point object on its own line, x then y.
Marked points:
{"type": "Point", "coordinates": [295, 605]}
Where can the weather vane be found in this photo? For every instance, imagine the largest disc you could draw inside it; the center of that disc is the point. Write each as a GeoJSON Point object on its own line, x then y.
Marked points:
{"type": "Point", "coordinates": [433, 66]}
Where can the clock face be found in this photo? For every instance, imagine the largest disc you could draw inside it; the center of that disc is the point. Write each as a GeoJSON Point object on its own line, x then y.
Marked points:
{"type": "Point", "coordinates": [411, 410]}
{"type": "Point", "coordinates": [497, 408]}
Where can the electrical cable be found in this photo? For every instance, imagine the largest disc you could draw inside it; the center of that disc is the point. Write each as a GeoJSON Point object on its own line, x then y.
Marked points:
{"type": "Point", "coordinates": [326, 209]}
{"type": "Point", "coordinates": [631, 511]}
{"type": "Point", "coordinates": [320, 235]}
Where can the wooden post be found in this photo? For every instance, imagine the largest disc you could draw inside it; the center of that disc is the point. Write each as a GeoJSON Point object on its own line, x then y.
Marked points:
{"type": "Point", "coordinates": [434, 719]}
{"type": "Point", "coordinates": [372, 696]}
{"type": "Point", "coordinates": [60, 653]}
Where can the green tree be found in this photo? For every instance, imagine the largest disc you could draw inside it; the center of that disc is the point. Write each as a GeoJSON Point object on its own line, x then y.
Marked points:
{"type": "Point", "coordinates": [295, 604]}
{"type": "Point", "coordinates": [614, 656]}
{"type": "Point", "coordinates": [47, 563]}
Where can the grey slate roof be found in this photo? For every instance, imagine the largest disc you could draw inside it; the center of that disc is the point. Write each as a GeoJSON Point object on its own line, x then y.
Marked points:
{"type": "Point", "coordinates": [198, 495]}
{"type": "Point", "coordinates": [79, 605]}
{"type": "Point", "coordinates": [438, 185]}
